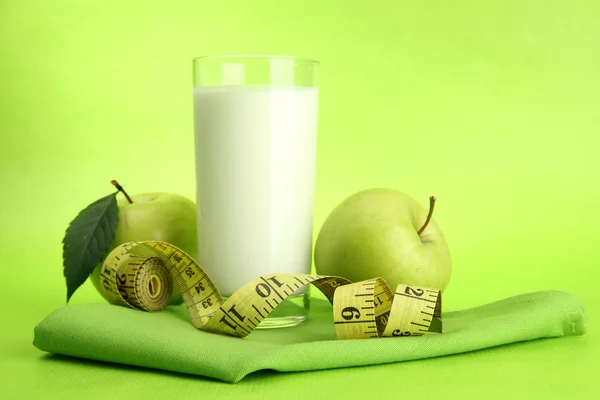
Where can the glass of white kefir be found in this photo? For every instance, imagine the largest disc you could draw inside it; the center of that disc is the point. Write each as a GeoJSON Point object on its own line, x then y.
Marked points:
{"type": "Point", "coordinates": [255, 121]}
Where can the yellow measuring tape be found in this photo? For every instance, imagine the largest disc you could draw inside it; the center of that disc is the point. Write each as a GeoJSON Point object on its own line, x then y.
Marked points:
{"type": "Point", "coordinates": [140, 275]}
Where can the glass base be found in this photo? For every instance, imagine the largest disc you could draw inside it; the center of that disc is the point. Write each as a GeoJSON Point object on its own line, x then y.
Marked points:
{"type": "Point", "coordinates": [290, 312]}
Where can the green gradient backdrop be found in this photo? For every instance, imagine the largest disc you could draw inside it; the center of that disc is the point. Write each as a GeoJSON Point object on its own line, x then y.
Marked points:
{"type": "Point", "coordinates": [491, 106]}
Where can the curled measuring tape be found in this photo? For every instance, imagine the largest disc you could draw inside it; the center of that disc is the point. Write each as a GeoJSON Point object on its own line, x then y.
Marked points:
{"type": "Point", "coordinates": [140, 275]}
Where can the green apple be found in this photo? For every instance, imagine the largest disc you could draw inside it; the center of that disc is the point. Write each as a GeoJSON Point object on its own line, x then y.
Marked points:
{"type": "Point", "coordinates": [384, 233]}
{"type": "Point", "coordinates": [166, 217]}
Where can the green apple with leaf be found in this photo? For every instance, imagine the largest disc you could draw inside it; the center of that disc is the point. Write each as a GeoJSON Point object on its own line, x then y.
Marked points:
{"type": "Point", "coordinates": [384, 233]}
{"type": "Point", "coordinates": [166, 217]}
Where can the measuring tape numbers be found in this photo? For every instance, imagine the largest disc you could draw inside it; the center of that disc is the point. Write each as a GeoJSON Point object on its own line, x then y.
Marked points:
{"type": "Point", "coordinates": [140, 275]}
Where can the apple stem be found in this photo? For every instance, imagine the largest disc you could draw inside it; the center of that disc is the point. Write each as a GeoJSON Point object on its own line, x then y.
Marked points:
{"type": "Point", "coordinates": [120, 189]}
{"type": "Point", "coordinates": [431, 207]}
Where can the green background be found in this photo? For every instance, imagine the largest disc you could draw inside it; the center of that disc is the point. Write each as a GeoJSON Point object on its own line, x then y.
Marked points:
{"type": "Point", "coordinates": [490, 106]}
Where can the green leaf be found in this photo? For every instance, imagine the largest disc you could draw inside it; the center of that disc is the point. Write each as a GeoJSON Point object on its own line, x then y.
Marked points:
{"type": "Point", "coordinates": [88, 239]}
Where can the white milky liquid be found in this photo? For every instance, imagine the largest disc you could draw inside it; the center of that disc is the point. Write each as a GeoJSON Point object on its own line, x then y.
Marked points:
{"type": "Point", "coordinates": [255, 168]}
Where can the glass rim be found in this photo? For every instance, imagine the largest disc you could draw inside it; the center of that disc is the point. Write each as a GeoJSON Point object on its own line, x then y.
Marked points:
{"type": "Point", "coordinates": [256, 56]}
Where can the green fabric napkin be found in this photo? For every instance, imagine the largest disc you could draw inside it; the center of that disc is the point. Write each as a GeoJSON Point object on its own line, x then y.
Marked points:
{"type": "Point", "coordinates": [167, 340]}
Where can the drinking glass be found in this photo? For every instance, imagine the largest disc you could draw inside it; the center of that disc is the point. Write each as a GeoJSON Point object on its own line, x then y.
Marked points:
{"type": "Point", "coordinates": [255, 120]}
